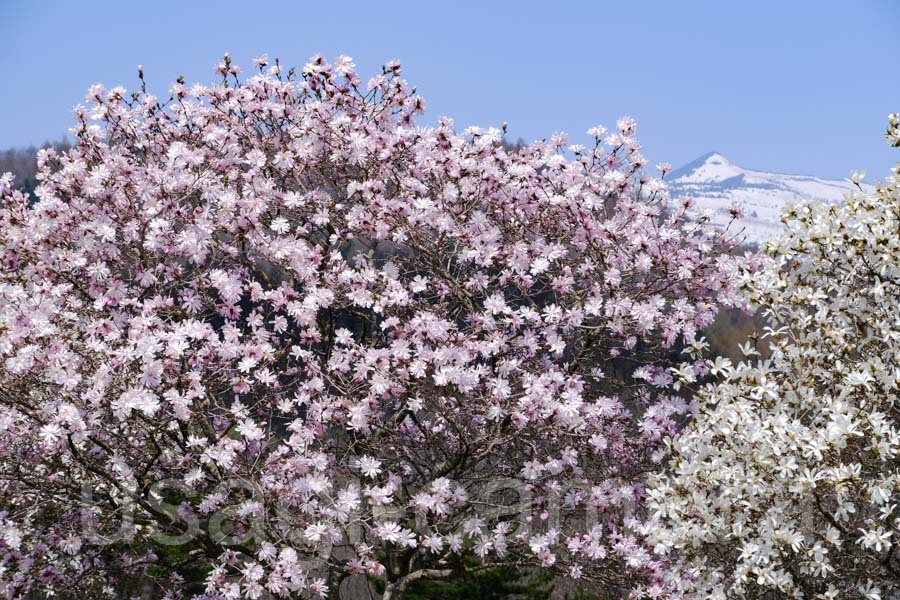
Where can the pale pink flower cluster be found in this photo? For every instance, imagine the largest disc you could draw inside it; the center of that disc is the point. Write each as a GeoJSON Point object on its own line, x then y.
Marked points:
{"type": "Point", "coordinates": [383, 346]}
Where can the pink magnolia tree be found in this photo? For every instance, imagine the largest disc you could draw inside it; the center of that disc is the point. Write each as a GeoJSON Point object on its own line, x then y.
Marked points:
{"type": "Point", "coordinates": [275, 331]}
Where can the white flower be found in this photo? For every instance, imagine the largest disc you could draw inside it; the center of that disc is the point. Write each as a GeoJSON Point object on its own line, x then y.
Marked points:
{"type": "Point", "coordinates": [877, 539]}
{"type": "Point", "coordinates": [12, 535]}
{"type": "Point", "coordinates": [388, 531]}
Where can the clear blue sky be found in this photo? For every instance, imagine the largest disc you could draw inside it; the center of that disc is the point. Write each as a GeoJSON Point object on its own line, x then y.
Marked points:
{"type": "Point", "coordinates": [790, 86]}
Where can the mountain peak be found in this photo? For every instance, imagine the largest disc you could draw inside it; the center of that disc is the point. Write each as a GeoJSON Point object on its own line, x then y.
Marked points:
{"type": "Point", "coordinates": [711, 167]}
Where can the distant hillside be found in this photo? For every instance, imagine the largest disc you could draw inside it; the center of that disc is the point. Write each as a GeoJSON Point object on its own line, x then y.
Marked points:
{"type": "Point", "coordinates": [715, 184]}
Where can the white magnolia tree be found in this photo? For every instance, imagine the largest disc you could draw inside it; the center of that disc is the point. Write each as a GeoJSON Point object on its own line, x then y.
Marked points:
{"type": "Point", "coordinates": [788, 481]}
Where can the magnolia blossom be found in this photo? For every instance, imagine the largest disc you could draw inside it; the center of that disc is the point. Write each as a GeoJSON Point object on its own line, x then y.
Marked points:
{"type": "Point", "coordinates": [788, 480]}
{"type": "Point", "coordinates": [276, 324]}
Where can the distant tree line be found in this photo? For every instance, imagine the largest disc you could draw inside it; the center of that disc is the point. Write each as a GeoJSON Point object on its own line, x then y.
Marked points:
{"type": "Point", "coordinates": [22, 162]}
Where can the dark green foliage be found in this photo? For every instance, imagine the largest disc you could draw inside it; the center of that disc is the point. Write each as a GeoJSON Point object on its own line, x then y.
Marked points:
{"type": "Point", "coordinates": [732, 328]}
{"type": "Point", "coordinates": [501, 583]}
{"type": "Point", "coordinates": [193, 570]}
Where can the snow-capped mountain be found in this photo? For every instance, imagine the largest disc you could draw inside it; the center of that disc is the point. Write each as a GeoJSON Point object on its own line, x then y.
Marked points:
{"type": "Point", "coordinates": [716, 184]}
